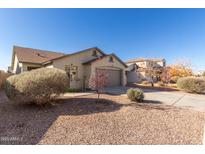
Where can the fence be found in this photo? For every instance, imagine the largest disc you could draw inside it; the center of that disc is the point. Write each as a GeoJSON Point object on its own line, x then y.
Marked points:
{"type": "Point", "coordinates": [3, 77]}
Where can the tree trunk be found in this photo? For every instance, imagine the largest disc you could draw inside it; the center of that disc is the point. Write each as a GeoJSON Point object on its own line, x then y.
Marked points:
{"type": "Point", "coordinates": [98, 93]}
{"type": "Point", "coordinates": [152, 81]}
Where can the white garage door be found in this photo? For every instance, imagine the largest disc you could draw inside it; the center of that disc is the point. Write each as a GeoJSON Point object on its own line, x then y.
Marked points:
{"type": "Point", "coordinates": [114, 77]}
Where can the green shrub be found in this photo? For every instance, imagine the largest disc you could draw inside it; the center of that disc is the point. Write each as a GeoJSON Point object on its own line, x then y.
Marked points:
{"type": "Point", "coordinates": [38, 86]}
{"type": "Point", "coordinates": [191, 84]}
{"type": "Point", "coordinates": [136, 95]}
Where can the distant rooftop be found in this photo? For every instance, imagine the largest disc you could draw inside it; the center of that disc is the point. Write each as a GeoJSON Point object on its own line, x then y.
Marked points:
{"type": "Point", "coordinates": [145, 59]}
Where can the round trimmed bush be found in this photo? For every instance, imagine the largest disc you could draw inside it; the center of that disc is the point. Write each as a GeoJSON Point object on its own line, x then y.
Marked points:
{"type": "Point", "coordinates": [191, 84]}
{"type": "Point", "coordinates": [136, 95]}
{"type": "Point", "coordinates": [38, 86]}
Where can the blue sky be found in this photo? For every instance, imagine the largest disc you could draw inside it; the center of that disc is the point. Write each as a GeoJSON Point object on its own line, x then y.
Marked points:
{"type": "Point", "coordinates": [155, 33]}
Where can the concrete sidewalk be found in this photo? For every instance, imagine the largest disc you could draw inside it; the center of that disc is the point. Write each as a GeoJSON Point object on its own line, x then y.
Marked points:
{"type": "Point", "coordinates": [77, 94]}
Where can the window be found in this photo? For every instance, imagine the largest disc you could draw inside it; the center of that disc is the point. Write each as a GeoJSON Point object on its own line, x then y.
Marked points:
{"type": "Point", "coordinates": [164, 63]}
{"type": "Point", "coordinates": [29, 68]}
{"type": "Point", "coordinates": [110, 59]}
{"type": "Point", "coordinates": [94, 53]}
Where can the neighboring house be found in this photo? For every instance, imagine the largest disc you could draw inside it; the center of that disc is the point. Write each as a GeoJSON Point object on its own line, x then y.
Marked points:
{"type": "Point", "coordinates": [137, 68]}
{"type": "Point", "coordinates": [147, 63]}
{"type": "Point", "coordinates": [80, 66]}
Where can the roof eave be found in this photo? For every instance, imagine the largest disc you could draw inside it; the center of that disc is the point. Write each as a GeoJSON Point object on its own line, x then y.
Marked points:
{"type": "Point", "coordinates": [78, 52]}
{"type": "Point", "coordinates": [47, 62]}
{"type": "Point", "coordinates": [30, 62]}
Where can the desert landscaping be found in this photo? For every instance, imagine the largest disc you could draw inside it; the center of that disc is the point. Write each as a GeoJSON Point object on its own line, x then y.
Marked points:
{"type": "Point", "coordinates": [112, 120]}
{"type": "Point", "coordinates": [37, 107]}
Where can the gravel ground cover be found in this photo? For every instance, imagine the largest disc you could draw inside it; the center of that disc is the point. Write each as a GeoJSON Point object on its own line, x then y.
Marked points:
{"type": "Point", "coordinates": [112, 120]}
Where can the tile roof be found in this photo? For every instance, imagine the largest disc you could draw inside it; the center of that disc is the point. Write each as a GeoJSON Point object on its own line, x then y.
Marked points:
{"type": "Point", "coordinates": [29, 55]}
{"type": "Point", "coordinates": [36, 56]}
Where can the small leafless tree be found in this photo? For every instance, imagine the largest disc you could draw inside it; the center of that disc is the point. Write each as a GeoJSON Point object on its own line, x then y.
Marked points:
{"type": "Point", "coordinates": [99, 81]}
{"type": "Point", "coordinates": [166, 76]}
{"type": "Point", "coordinates": [154, 72]}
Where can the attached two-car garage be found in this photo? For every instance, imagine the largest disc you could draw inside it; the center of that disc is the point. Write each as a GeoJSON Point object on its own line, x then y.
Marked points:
{"type": "Point", "coordinates": [112, 66]}
{"type": "Point", "coordinates": [114, 77]}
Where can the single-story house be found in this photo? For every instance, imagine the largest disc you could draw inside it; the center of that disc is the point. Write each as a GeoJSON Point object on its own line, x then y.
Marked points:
{"type": "Point", "coordinates": [80, 66]}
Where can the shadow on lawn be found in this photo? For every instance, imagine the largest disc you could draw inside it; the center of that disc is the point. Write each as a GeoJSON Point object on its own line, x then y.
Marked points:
{"type": "Point", "coordinates": [28, 123]}
{"type": "Point", "coordinates": [81, 106]}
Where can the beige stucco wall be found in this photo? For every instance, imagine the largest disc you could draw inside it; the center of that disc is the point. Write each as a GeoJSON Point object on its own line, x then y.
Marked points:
{"type": "Point", "coordinates": [142, 64]}
{"type": "Point", "coordinates": [138, 77]}
{"type": "Point", "coordinates": [104, 63]}
{"type": "Point", "coordinates": [76, 60]}
{"type": "Point", "coordinates": [134, 77]}
{"type": "Point", "coordinates": [17, 65]}
{"type": "Point", "coordinates": [87, 74]}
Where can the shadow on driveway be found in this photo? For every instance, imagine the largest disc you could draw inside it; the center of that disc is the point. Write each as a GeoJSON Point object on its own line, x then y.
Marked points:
{"type": "Point", "coordinates": [152, 101]}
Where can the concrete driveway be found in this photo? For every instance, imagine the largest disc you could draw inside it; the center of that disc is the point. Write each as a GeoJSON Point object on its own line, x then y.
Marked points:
{"type": "Point", "coordinates": [175, 98]}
